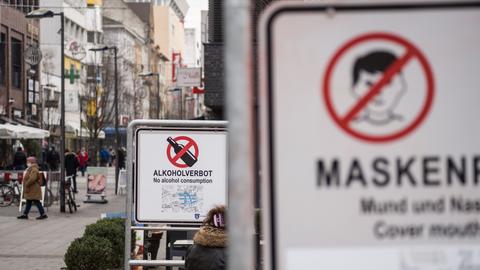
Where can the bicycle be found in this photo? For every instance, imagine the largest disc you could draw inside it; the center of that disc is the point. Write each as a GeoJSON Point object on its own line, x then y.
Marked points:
{"type": "Point", "coordinates": [70, 195]}
{"type": "Point", "coordinates": [50, 197]}
{"type": "Point", "coordinates": [10, 193]}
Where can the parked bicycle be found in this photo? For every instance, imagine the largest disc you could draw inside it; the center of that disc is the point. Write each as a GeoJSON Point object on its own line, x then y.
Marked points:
{"type": "Point", "coordinates": [70, 195]}
{"type": "Point", "coordinates": [51, 188]}
{"type": "Point", "coordinates": [10, 193]}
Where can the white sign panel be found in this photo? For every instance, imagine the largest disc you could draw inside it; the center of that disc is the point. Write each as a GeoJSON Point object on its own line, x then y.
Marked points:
{"type": "Point", "coordinates": [189, 77]}
{"type": "Point", "coordinates": [72, 103]}
{"type": "Point", "coordinates": [180, 174]}
{"type": "Point", "coordinates": [371, 150]}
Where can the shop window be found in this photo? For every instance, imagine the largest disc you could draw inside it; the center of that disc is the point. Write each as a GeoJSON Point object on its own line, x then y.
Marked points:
{"type": "Point", "coordinates": [16, 63]}
{"type": "Point", "coordinates": [3, 57]}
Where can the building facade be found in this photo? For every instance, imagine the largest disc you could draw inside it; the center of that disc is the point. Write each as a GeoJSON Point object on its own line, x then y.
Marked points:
{"type": "Point", "coordinates": [82, 31]}
{"type": "Point", "coordinates": [19, 80]}
{"type": "Point", "coordinates": [213, 53]}
{"type": "Point", "coordinates": [127, 27]}
{"type": "Point", "coordinates": [168, 37]}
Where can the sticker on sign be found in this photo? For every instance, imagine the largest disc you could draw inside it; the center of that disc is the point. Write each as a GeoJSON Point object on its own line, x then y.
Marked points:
{"type": "Point", "coordinates": [370, 145]}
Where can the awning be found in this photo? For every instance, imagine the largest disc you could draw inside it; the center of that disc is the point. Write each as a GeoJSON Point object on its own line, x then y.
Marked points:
{"type": "Point", "coordinates": [111, 130]}
{"type": "Point", "coordinates": [9, 131]}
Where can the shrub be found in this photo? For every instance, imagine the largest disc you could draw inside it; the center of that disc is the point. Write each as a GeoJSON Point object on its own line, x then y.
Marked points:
{"type": "Point", "coordinates": [113, 231]}
{"type": "Point", "coordinates": [90, 253]}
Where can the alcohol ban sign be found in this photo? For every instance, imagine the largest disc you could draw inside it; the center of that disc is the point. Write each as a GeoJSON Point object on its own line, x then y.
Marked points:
{"type": "Point", "coordinates": [371, 150]}
{"type": "Point", "coordinates": [180, 174]}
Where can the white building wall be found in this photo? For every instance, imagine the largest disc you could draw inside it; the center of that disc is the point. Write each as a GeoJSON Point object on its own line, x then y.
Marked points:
{"type": "Point", "coordinates": [191, 57]}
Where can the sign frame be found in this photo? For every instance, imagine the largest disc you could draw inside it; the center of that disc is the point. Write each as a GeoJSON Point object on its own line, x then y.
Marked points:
{"type": "Point", "coordinates": [267, 90]}
{"type": "Point", "coordinates": [32, 55]}
{"type": "Point", "coordinates": [219, 126]}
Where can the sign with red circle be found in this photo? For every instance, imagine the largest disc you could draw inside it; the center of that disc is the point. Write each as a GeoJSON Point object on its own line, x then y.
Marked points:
{"type": "Point", "coordinates": [182, 151]}
{"type": "Point", "coordinates": [377, 82]}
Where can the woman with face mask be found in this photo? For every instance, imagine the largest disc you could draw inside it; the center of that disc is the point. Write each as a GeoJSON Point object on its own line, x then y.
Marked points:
{"type": "Point", "coordinates": [32, 191]}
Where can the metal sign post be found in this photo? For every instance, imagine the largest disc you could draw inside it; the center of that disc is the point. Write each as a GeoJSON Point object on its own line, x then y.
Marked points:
{"type": "Point", "coordinates": [370, 149]}
{"type": "Point", "coordinates": [156, 137]}
{"type": "Point", "coordinates": [239, 107]}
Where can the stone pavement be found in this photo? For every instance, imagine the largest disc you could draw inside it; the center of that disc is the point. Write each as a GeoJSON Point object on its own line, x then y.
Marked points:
{"type": "Point", "coordinates": [41, 244]}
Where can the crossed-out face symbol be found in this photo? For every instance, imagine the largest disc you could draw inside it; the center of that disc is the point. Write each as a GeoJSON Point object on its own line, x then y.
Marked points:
{"type": "Point", "coordinates": [379, 65]}
{"type": "Point", "coordinates": [368, 70]}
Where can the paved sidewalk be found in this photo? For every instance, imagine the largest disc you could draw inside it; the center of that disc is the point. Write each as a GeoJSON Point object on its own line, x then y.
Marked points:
{"type": "Point", "coordinates": [41, 244]}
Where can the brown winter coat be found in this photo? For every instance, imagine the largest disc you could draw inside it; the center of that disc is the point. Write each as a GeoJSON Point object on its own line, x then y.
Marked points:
{"type": "Point", "coordinates": [31, 184]}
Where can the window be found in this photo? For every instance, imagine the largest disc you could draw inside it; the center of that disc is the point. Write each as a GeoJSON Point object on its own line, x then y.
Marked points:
{"type": "Point", "coordinates": [91, 72]}
{"type": "Point", "coordinates": [16, 63]}
{"type": "Point", "coordinates": [91, 37]}
{"type": "Point", "coordinates": [100, 38]}
{"type": "Point", "coordinates": [3, 56]}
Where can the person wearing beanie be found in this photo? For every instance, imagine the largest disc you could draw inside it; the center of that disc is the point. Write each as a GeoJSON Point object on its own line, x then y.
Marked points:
{"type": "Point", "coordinates": [32, 191]}
{"type": "Point", "coordinates": [208, 251]}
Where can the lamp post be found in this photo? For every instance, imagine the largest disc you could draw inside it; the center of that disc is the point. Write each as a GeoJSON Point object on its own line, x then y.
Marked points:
{"type": "Point", "coordinates": [150, 74]}
{"type": "Point", "coordinates": [45, 13]}
{"type": "Point", "coordinates": [115, 101]}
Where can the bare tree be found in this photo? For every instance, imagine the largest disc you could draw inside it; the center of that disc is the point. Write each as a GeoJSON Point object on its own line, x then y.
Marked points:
{"type": "Point", "coordinates": [99, 105]}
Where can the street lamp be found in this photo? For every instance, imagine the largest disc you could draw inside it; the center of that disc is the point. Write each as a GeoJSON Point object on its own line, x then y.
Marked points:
{"type": "Point", "coordinates": [150, 74]}
{"type": "Point", "coordinates": [117, 134]}
{"type": "Point", "coordinates": [45, 13]}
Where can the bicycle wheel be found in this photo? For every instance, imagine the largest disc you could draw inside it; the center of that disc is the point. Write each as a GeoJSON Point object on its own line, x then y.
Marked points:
{"type": "Point", "coordinates": [73, 195]}
{"type": "Point", "coordinates": [7, 195]}
{"type": "Point", "coordinates": [69, 203]}
{"type": "Point", "coordinates": [74, 205]}
{"type": "Point", "coordinates": [48, 200]}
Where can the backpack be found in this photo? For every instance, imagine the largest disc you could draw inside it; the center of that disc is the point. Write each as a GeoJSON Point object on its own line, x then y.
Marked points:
{"type": "Point", "coordinates": [41, 179]}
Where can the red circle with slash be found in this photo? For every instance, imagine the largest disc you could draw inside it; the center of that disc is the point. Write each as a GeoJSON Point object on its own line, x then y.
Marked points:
{"type": "Point", "coordinates": [190, 143]}
{"type": "Point", "coordinates": [411, 53]}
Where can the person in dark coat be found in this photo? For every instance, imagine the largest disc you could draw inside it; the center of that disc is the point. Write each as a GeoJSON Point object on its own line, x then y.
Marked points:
{"type": "Point", "coordinates": [121, 158]}
{"type": "Point", "coordinates": [53, 159]}
{"type": "Point", "coordinates": [71, 165]}
{"type": "Point", "coordinates": [19, 160]}
{"type": "Point", "coordinates": [32, 191]}
{"type": "Point", "coordinates": [208, 251]}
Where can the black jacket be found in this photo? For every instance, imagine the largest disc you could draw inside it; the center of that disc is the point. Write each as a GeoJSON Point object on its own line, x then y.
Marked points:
{"type": "Point", "coordinates": [208, 251]}
{"type": "Point", "coordinates": [53, 159]}
{"type": "Point", "coordinates": [20, 159]}
{"type": "Point", "coordinates": [71, 163]}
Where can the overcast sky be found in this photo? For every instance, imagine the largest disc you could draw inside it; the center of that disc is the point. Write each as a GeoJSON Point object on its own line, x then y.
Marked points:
{"type": "Point", "coordinates": [193, 17]}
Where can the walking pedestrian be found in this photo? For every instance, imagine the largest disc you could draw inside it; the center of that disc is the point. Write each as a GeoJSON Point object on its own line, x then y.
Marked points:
{"type": "Point", "coordinates": [113, 156]}
{"type": "Point", "coordinates": [19, 160]}
{"type": "Point", "coordinates": [71, 165]}
{"type": "Point", "coordinates": [83, 161]}
{"type": "Point", "coordinates": [104, 157]}
{"type": "Point", "coordinates": [53, 159]}
{"type": "Point", "coordinates": [208, 251]}
{"type": "Point", "coordinates": [121, 158]}
{"type": "Point", "coordinates": [32, 191]}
